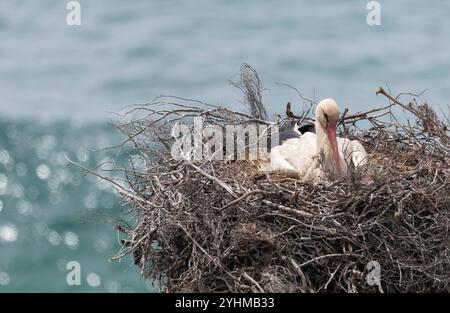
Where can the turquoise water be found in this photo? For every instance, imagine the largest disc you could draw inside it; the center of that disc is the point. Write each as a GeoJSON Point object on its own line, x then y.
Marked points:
{"type": "Point", "coordinates": [59, 84]}
{"type": "Point", "coordinates": [51, 213]}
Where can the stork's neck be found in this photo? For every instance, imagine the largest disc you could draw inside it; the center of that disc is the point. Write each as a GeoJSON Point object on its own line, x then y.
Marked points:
{"type": "Point", "coordinates": [325, 150]}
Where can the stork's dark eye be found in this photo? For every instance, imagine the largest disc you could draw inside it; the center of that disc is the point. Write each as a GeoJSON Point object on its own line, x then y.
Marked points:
{"type": "Point", "coordinates": [326, 116]}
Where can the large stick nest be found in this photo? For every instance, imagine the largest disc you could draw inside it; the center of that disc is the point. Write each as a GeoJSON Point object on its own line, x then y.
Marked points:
{"type": "Point", "coordinates": [223, 226]}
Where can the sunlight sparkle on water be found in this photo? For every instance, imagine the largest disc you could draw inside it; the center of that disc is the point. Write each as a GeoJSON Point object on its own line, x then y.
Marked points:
{"type": "Point", "coordinates": [4, 279]}
{"type": "Point", "coordinates": [43, 171]}
{"type": "Point", "coordinates": [8, 233]}
{"type": "Point", "coordinates": [93, 280]}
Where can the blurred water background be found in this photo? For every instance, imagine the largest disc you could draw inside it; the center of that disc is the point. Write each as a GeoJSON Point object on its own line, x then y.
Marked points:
{"type": "Point", "coordinates": [59, 84]}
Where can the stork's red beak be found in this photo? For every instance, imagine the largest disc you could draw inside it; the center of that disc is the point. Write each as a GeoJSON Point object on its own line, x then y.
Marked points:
{"type": "Point", "coordinates": [331, 132]}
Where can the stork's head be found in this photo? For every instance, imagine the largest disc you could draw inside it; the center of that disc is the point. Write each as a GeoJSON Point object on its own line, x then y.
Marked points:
{"type": "Point", "coordinates": [327, 118]}
{"type": "Point", "coordinates": [327, 112]}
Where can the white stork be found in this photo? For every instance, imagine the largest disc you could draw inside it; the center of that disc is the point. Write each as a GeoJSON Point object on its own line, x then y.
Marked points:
{"type": "Point", "coordinates": [312, 156]}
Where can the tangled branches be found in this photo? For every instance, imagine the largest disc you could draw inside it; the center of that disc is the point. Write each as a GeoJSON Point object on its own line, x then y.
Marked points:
{"type": "Point", "coordinates": [223, 226]}
{"type": "Point", "coordinates": [251, 87]}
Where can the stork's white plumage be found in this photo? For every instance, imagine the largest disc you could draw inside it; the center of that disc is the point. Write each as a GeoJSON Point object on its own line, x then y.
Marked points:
{"type": "Point", "coordinates": [312, 156]}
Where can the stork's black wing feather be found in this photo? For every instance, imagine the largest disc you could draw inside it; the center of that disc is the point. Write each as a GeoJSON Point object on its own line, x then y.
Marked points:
{"type": "Point", "coordinates": [307, 128]}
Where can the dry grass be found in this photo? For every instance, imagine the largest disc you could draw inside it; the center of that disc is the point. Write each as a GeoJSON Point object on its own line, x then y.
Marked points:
{"type": "Point", "coordinates": [222, 226]}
